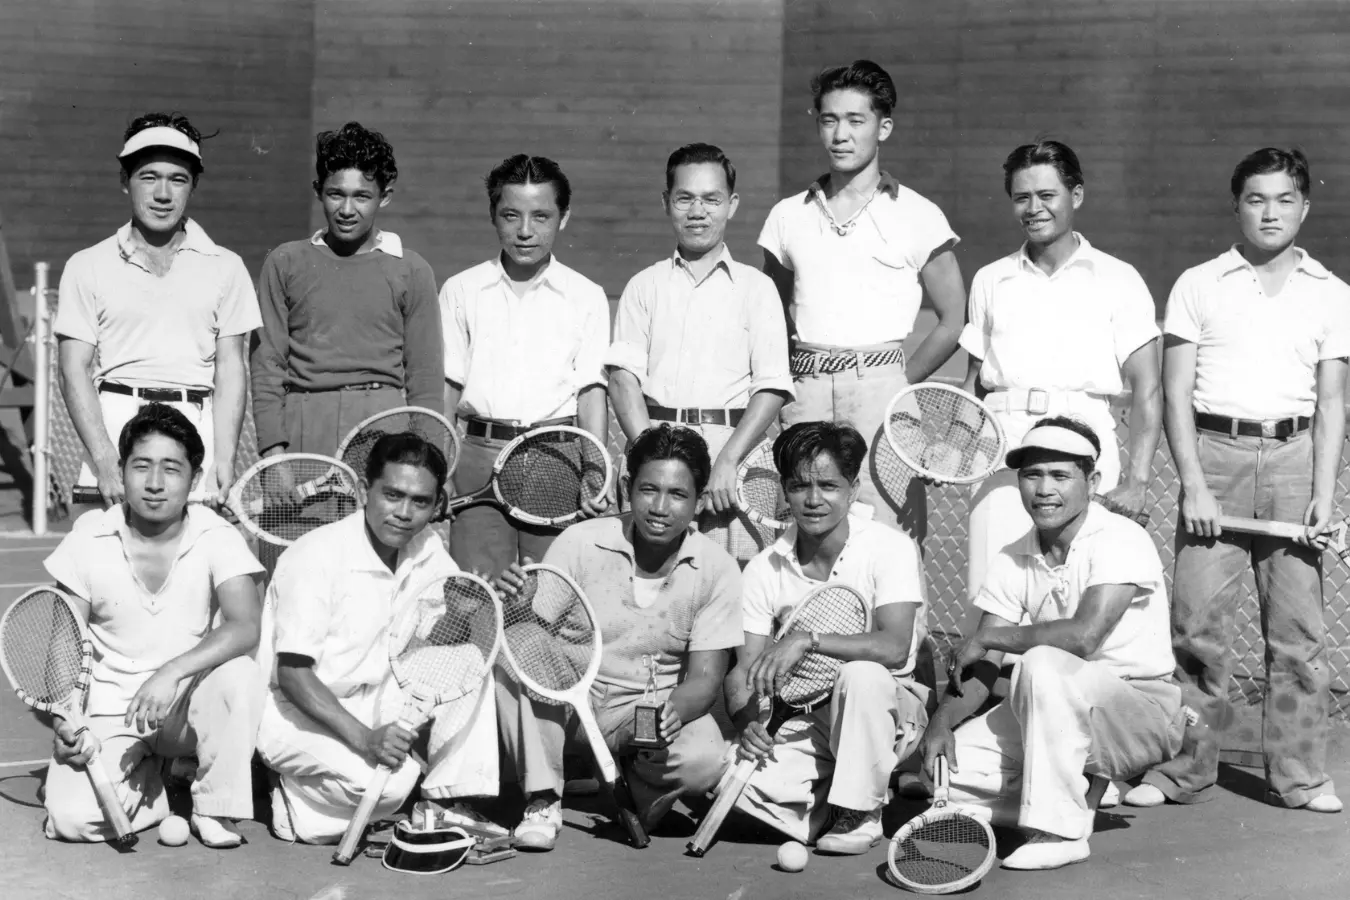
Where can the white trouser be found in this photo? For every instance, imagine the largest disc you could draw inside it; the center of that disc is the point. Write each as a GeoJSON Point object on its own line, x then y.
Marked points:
{"type": "Point", "coordinates": [841, 754]}
{"type": "Point", "coordinates": [322, 779]}
{"type": "Point", "coordinates": [118, 409]}
{"type": "Point", "coordinates": [997, 517]}
{"type": "Point", "coordinates": [1023, 762]}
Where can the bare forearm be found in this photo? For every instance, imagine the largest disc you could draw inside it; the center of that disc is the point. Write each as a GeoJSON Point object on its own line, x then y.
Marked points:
{"type": "Point", "coordinates": [935, 350]}
{"type": "Point", "coordinates": [311, 696]}
{"type": "Point", "coordinates": [228, 410]}
{"type": "Point", "coordinates": [875, 646]}
{"type": "Point", "coordinates": [760, 413]}
{"type": "Point", "coordinates": [742, 702]}
{"type": "Point", "coordinates": [591, 413]}
{"type": "Point", "coordinates": [1146, 419]}
{"type": "Point", "coordinates": [1068, 635]}
{"type": "Point", "coordinates": [695, 696]}
{"type": "Point", "coordinates": [217, 648]}
{"type": "Point", "coordinates": [1181, 440]}
{"type": "Point", "coordinates": [1328, 440]}
{"type": "Point", "coordinates": [630, 406]}
{"type": "Point", "coordinates": [975, 690]}
{"type": "Point", "coordinates": [77, 387]}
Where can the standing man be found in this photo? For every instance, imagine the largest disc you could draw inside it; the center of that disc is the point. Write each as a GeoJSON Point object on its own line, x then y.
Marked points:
{"type": "Point", "coordinates": [700, 340]}
{"type": "Point", "coordinates": [152, 575]}
{"type": "Point", "coordinates": [1093, 691]}
{"type": "Point", "coordinates": [831, 767]}
{"type": "Point", "coordinates": [351, 327]}
{"type": "Point", "coordinates": [1254, 383]}
{"type": "Point", "coordinates": [852, 256]}
{"type": "Point", "coordinates": [156, 313]}
{"type": "Point", "coordinates": [525, 340]}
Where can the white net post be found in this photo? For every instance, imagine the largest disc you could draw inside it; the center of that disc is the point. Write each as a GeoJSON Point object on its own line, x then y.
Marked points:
{"type": "Point", "coordinates": [42, 387]}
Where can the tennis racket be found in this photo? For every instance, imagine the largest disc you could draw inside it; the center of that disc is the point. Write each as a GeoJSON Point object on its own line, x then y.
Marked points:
{"type": "Point", "coordinates": [944, 849]}
{"type": "Point", "coordinates": [554, 648]}
{"type": "Point", "coordinates": [441, 648]}
{"type": "Point", "coordinates": [433, 427]}
{"type": "Point", "coordinates": [944, 434]}
{"type": "Point", "coordinates": [544, 476]}
{"type": "Point", "coordinates": [1141, 517]}
{"type": "Point", "coordinates": [832, 608]}
{"type": "Point", "coordinates": [759, 489]}
{"type": "Point", "coordinates": [1335, 534]}
{"type": "Point", "coordinates": [46, 653]}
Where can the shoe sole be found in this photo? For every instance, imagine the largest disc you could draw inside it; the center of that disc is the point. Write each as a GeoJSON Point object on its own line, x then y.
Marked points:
{"type": "Point", "coordinates": [827, 851]}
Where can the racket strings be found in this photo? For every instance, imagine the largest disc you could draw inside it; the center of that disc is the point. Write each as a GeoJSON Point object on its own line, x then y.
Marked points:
{"type": "Point", "coordinates": [550, 633]}
{"type": "Point", "coordinates": [946, 432]}
{"type": "Point", "coordinates": [831, 611]}
{"type": "Point", "coordinates": [433, 429]}
{"type": "Point", "coordinates": [43, 647]}
{"type": "Point", "coordinates": [294, 496]}
{"type": "Point", "coordinates": [942, 851]}
{"type": "Point", "coordinates": [549, 475]}
{"type": "Point", "coordinates": [445, 644]}
{"type": "Point", "coordinates": [761, 488]}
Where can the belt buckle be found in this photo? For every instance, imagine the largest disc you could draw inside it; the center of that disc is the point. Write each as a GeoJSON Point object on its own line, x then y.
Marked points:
{"type": "Point", "coordinates": [1269, 428]}
{"type": "Point", "coordinates": [1038, 401]}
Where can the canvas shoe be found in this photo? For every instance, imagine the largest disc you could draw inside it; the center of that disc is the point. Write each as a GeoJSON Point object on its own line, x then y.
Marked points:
{"type": "Point", "coordinates": [539, 826]}
{"type": "Point", "coordinates": [854, 831]}
{"type": "Point", "coordinates": [1046, 851]}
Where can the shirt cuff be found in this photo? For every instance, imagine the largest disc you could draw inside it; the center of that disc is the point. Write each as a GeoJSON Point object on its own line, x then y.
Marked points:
{"type": "Point", "coordinates": [988, 604]}
{"type": "Point", "coordinates": [629, 357]}
{"type": "Point", "coordinates": [974, 341]}
{"type": "Point", "coordinates": [781, 383]}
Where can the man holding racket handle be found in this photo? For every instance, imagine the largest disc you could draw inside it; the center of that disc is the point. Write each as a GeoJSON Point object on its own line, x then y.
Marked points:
{"type": "Point", "coordinates": [666, 600]}
{"type": "Point", "coordinates": [150, 574]}
{"type": "Point", "coordinates": [331, 716]}
{"type": "Point", "coordinates": [829, 768]}
{"type": "Point", "coordinates": [700, 340]}
{"type": "Point", "coordinates": [1093, 691]}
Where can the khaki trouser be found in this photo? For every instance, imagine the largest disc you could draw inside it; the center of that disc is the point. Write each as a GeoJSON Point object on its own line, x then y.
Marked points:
{"type": "Point", "coordinates": [215, 717]}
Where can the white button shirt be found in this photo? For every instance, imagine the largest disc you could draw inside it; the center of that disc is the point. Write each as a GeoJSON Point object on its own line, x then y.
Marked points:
{"type": "Point", "coordinates": [1070, 331]}
{"type": "Point", "coordinates": [523, 359]}
{"type": "Point", "coordinates": [1257, 356]}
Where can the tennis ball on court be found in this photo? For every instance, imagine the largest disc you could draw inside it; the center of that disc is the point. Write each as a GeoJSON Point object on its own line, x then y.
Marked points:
{"type": "Point", "coordinates": [792, 857]}
{"type": "Point", "coordinates": [173, 831]}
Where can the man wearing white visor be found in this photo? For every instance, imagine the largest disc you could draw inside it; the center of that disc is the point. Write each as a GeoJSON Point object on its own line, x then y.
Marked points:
{"type": "Point", "coordinates": [156, 313]}
{"type": "Point", "coordinates": [1093, 691]}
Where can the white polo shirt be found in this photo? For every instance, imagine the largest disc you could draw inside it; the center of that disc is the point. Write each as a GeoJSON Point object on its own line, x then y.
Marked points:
{"type": "Point", "coordinates": [1070, 331]}
{"type": "Point", "coordinates": [333, 600]}
{"type": "Point", "coordinates": [523, 358]}
{"type": "Point", "coordinates": [1257, 356]}
{"type": "Point", "coordinates": [136, 631]}
{"type": "Point", "coordinates": [862, 287]}
{"type": "Point", "coordinates": [154, 331]}
{"type": "Point", "coordinates": [879, 562]}
{"type": "Point", "coordinates": [1108, 549]}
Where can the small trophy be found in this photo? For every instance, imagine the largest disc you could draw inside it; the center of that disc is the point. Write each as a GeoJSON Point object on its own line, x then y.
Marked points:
{"type": "Point", "coordinates": [647, 713]}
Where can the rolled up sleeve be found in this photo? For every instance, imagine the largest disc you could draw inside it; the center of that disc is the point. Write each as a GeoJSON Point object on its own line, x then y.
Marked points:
{"type": "Point", "coordinates": [632, 338]}
{"type": "Point", "coordinates": [975, 335]}
{"type": "Point", "coordinates": [590, 363]}
{"type": "Point", "coordinates": [768, 340]}
{"type": "Point", "coordinates": [455, 331]}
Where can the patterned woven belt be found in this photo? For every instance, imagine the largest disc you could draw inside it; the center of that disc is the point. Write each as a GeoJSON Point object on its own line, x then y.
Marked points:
{"type": "Point", "coordinates": [817, 362]}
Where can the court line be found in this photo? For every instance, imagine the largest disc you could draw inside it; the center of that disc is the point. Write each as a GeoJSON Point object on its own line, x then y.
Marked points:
{"type": "Point", "coordinates": [23, 584]}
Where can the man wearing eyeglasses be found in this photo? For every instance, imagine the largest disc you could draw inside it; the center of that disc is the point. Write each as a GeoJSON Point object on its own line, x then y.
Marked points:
{"type": "Point", "coordinates": [701, 340]}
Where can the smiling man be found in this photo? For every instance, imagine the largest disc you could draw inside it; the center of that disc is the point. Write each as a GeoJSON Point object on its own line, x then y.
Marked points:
{"type": "Point", "coordinates": [1093, 691]}
{"type": "Point", "coordinates": [151, 574]}
{"type": "Point", "coordinates": [700, 340]}
{"type": "Point", "coordinates": [351, 326]}
{"type": "Point", "coordinates": [331, 715]}
{"type": "Point", "coordinates": [525, 340]}
{"type": "Point", "coordinates": [831, 767]}
{"type": "Point", "coordinates": [667, 603]}
{"type": "Point", "coordinates": [852, 256]}
{"type": "Point", "coordinates": [156, 313]}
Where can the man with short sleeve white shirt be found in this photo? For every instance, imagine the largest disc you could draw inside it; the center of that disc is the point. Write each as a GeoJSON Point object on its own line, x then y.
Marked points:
{"type": "Point", "coordinates": [830, 767]}
{"type": "Point", "coordinates": [330, 714]}
{"type": "Point", "coordinates": [156, 313]}
{"type": "Point", "coordinates": [852, 257]}
{"type": "Point", "coordinates": [1254, 372]}
{"type": "Point", "coordinates": [1093, 691]}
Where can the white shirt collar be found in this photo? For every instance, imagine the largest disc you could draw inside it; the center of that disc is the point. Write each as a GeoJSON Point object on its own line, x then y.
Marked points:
{"type": "Point", "coordinates": [360, 556]}
{"type": "Point", "coordinates": [723, 261]}
{"type": "Point", "coordinates": [1233, 261]}
{"type": "Point", "coordinates": [552, 277]}
{"type": "Point", "coordinates": [385, 242]}
{"type": "Point", "coordinates": [1084, 255]}
{"type": "Point", "coordinates": [195, 239]}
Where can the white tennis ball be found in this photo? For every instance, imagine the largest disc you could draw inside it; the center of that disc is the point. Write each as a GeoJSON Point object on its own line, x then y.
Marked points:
{"type": "Point", "coordinates": [792, 857]}
{"type": "Point", "coordinates": [173, 831]}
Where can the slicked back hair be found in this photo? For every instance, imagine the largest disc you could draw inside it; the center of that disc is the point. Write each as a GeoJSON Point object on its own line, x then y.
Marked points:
{"type": "Point", "coordinates": [522, 169]}
{"type": "Point", "coordinates": [160, 418]}
{"type": "Point", "coordinates": [695, 154]}
{"type": "Point", "coordinates": [1269, 160]}
{"type": "Point", "coordinates": [667, 441]}
{"type": "Point", "coordinates": [861, 75]}
{"type": "Point", "coordinates": [796, 448]}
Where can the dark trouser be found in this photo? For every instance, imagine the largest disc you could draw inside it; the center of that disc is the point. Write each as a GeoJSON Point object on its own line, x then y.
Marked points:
{"type": "Point", "coordinates": [1263, 478]}
{"type": "Point", "coordinates": [484, 539]}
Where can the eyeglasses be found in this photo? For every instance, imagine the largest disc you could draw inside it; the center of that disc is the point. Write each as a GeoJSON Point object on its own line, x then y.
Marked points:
{"type": "Point", "coordinates": [684, 203]}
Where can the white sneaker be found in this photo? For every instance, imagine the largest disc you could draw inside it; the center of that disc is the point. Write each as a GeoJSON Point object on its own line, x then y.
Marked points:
{"type": "Point", "coordinates": [1111, 797]}
{"type": "Point", "coordinates": [282, 829]}
{"type": "Point", "coordinates": [1145, 796]}
{"type": "Point", "coordinates": [1047, 851]}
{"type": "Point", "coordinates": [1324, 803]}
{"type": "Point", "coordinates": [854, 831]}
{"type": "Point", "coordinates": [215, 832]}
{"type": "Point", "coordinates": [539, 826]}
{"type": "Point", "coordinates": [462, 815]}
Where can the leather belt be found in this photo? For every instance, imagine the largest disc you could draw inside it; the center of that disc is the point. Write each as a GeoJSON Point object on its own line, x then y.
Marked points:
{"type": "Point", "coordinates": [364, 386]}
{"type": "Point", "coordinates": [157, 395]}
{"type": "Point", "coordinates": [820, 362]}
{"type": "Point", "coordinates": [505, 431]}
{"type": "Point", "coordinates": [694, 416]}
{"type": "Point", "coordinates": [1264, 428]}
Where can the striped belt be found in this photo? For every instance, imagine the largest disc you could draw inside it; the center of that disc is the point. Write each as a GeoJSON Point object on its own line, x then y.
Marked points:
{"type": "Point", "coordinates": [157, 395]}
{"type": "Point", "coordinates": [823, 362]}
{"type": "Point", "coordinates": [693, 416]}
{"type": "Point", "coordinates": [494, 430]}
{"type": "Point", "coordinates": [364, 386]}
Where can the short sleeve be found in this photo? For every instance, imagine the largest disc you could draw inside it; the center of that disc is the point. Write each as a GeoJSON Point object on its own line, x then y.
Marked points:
{"type": "Point", "coordinates": [455, 330]}
{"type": "Point", "coordinates": [929, 232]}
{"type": "Point", "coordinates": [1184, 318]}
{"type": "Point", "coordinates": [717, 624]}
{"type": "Point", "coordinates": [1003, 592]}
{"type": "Point", "coordinates": [976, 334]}
{"type": "Point", "coordinates": [303, 601]}
{"type": "Point", "coordinates": [238, 311]}
{"type": "Point", "coordinates": [759, 589]}
{"type": "Point", "coordinates": [77, 304]}
{"type": "Point", "coordinates": [230, 556]}
{"type": "Point", "coordinates": [895, 567]}
{"type": "Point", "coordinates": [773, 236]}
{"type": "Point", "coordinates": [68, 563]}
{"type": "Point", "coordinates": [1134, 322]}
{"type": "Point", "coordinates": [1335, 343]}
{"type": "Point", "coordinates": [632, 326]}
{"type": "Point", "coordinates": [1125, 555]}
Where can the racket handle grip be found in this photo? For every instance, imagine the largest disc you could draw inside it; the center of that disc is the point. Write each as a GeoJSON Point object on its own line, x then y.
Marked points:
{"type": "Point", "coordinates": [108, 799]}
{"type": "Point", "coordinates": [726, 799]}
{"type": "Point", "coordinates": [628, 814]}
{"type": "Point", "coordinates": [356, 828]}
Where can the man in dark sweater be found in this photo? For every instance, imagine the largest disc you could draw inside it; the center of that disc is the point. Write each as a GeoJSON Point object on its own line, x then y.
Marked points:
{"type": "Point", "coordinates": [351, 323]}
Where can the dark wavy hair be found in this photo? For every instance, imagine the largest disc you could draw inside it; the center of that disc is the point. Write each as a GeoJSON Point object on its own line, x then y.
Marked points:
{"type": "Point", "coordinates": [410, 449]}
{"type": "Point", "coordinates": [798, 446]}
{"type": "Point", "coordinates": [1269, 160]}
{"type": "Point", "coordinates": [694, 154]}
{"type": "Point", "coordinates": [1043, 153]}
{"type": "Point", "coordinates": [523, 169]}
{"type": "Point", "coordinates": [861, 75]}
{"type": "Point", "coordinates": [159, 418]}
{"type": "Point", "coordinates": [354, 146]}
{"type": "Point", "coordinates": [174, 120]}
{"type": "Point", "coordinates": [667, 441]}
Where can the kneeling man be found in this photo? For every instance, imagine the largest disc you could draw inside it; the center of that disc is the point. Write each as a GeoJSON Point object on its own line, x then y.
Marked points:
{"type": "Point", "coordinates": [1093, 692]}
{"type": "Point", "coordinates": [151, 574]}
{"type": "Point", "coordinates": [331, 716]}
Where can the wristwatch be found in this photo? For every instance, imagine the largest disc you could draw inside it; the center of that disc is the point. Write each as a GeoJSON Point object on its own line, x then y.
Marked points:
{"type": "Point", "coordinates": [815, 642]}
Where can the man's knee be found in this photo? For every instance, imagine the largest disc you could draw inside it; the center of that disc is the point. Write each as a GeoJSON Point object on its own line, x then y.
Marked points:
{"type": "Point", "coordinates": [234, 685]}
{"type": "Point", "coordinates": [73, 813]}
{"type": "Point", "coordinates": [698, 756]}
{"type": "Point", "coordinates": [1042, 670]}
{"type": "Point", "coordinates": [861, 678]}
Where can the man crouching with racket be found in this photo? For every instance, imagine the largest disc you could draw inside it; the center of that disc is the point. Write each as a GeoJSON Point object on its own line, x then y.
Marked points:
{"type": "Point", "coordinates": [331, 716]}
{"type": "Point", "coordinates": [1093, 691]}
{"type": "Point", "coordinates": [150, 574]}
{"type": "Point", "coordinates": [829, 766]}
